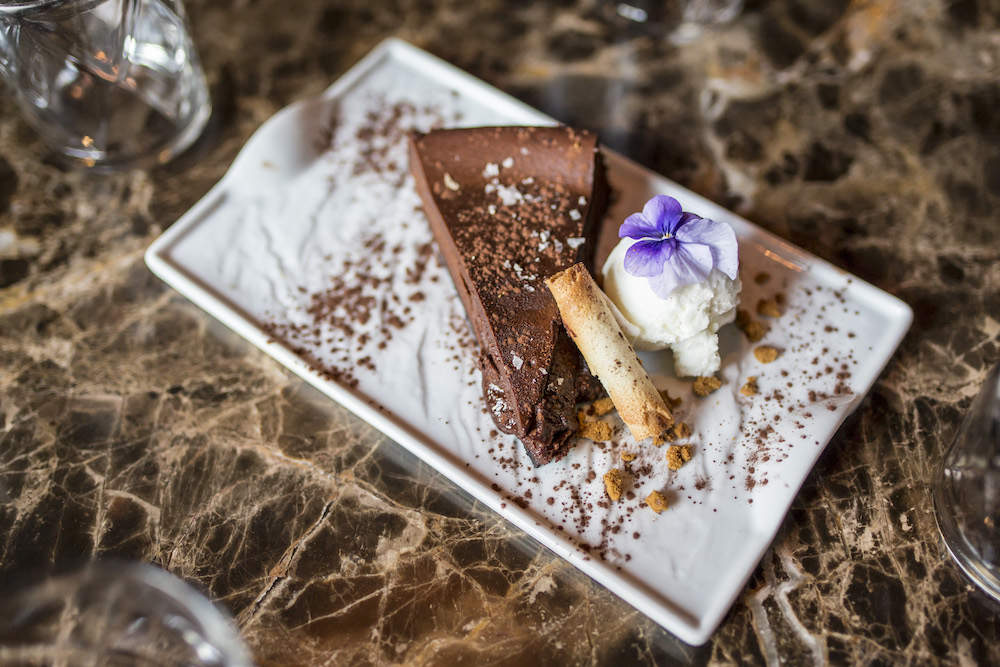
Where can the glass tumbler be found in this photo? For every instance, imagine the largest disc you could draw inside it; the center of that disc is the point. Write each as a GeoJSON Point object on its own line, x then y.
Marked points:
{"type": "Point", "coordinates": [109, 84]}
{"type": "Point", "coordinates": [967, 490]}
{"type": "Point", "coordinates": [116, 614]}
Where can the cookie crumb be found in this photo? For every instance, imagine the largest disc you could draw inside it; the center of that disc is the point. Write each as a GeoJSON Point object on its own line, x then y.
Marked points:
{"type": "Point", "coordinates": [704, 386]}
{"type": "Point", "coordinates": [613, 483]}
{"type": "Point", "coordinates": [768, 308]}
{"type": "Point", "coordinates": [628, 457]}
{"type": "Point", "coordinates": [656, 502]}
{"type": "Point", "coordinates": [750, 388]}
{"type": "Point", "coordinates": [752, 329]}
{"type": "Point", "coordinates": [598, 431]}
{"type": "Point", "coordinates": [670, 400]}
{"type": "Point", "coordinates": [603, 406]}
{"type": "Point", "coordinates": [678, 455]}
{"type": "Point", "coordinates": [678, 431]}
{"type": "Point", "coordinates": [658, 440]}
{"type": "Point", "coordinates": [765, 353]}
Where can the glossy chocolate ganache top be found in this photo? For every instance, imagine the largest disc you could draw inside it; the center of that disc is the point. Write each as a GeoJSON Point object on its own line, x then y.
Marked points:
{"type": "Point", "coordinates": [509, 207]}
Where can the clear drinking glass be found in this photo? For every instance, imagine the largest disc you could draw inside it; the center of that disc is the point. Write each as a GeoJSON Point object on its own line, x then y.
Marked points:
{"type": "Point", "coordinates": [107, 83]}
{"type": "Point", "coordinates": [967, 490]}
{"type": "Point", "coordinates": [115, 614]}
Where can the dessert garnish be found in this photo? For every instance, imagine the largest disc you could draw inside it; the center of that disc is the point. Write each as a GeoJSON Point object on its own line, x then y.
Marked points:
{"type": "Point", "coordinates": [768, 308]}
{"type": "Point", "coordinates": [657, 502]}
{"type": "Point", "coordinates": [592, 326]}
{"type": "Point", "coordinates": [765, 353]}
{"type": "Point", "coordinates": [703, 386]}
{"type": "Point", "coordinates": [674, 281]}
{"type": "Point", "coordinates": [674, 248]}
{"type": "Point", "coordinates": [754, 330]}
{"type": "Point", "coordinates": [613, 484]}
{"type": "Point", "coordinates": [677, 456]}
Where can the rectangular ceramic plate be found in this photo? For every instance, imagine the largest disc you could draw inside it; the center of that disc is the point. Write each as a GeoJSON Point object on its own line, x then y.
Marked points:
{"type": "Point", "coordinates": [315, 249]}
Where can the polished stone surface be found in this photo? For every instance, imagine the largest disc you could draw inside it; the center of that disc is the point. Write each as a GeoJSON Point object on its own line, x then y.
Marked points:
{"type": "Point", "coordinates": [133, 425]}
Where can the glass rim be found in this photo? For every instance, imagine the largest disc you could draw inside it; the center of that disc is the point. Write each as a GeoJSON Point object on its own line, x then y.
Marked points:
{"type": "Point", "coordinates": [27, 7]}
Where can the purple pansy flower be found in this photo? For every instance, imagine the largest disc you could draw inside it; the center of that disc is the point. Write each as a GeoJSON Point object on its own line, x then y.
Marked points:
{"type": "Point", "coordinates": [675, 248]}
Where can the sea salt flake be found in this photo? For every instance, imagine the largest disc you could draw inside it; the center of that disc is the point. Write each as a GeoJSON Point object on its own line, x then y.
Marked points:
{"type": "Point", "coordinates": [508, 163]}
{"type": "Point", "coordinates": [509, 195]}
{"type": "Point", "coordinates": [516, 361]}
{"type": "Point", "coordinates": [575, 242]}
{"type": "Point", "coordinates": [491, 170]}
{"type": "Point", "coordinates": [450, 183]}
{"type": "Point", "coordinates": [582, 201]}
{"type": "Point", "coordinates": [575, 214]}
{"type": "Point", "coordinates": [528, 181]}
{"type": "Point", "coordinates": [492, 209]}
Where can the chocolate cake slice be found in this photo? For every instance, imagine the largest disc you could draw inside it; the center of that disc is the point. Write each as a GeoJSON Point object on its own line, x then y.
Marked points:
{"type": "Point", "coordinates": [509, 207]}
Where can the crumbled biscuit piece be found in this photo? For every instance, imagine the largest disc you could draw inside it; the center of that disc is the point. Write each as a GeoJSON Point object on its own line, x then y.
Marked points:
{"type": "Point", "coordinates": [768, 308]}
{"type": "Point", "coordinates": [750, 388]}
{"type": "Point", "coordinates": [704, 386]}
{"type": "Point", "coordinates": [762, 277]}
{"type": "Point", "coordinates": [753, 329]}
{"type": "Point", "coordinates": [603, 406]}
{"type": "Point", "coordinates": [657, 502]}
{"type": "Point", "coordinates": [670, 400]}
{"type": "Point", "coordinates": [678, 455]}
{"type": "Point", "coordinates": [599, 431]}
{"type": "Point", "coordinates": [581, 418]}
{"type": "Point", "coordinates": [765, 353]}
{"type": "Point", "coordinates": [679, 431]}
{"type": "Point", "coordinates": [628, 457]}
{"type": "Point", "coordinates": [613, 483]}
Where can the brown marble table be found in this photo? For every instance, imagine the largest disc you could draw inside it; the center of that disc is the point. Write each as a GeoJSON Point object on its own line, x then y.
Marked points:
{"type": "Point", "coordinates": [133, 425]}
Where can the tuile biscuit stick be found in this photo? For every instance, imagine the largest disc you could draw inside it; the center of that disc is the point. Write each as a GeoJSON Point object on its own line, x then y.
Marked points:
{"type": "Point", "coordinates": [593, 328]}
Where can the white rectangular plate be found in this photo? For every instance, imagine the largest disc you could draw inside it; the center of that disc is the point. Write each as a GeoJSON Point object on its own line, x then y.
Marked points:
{"type": "Point", "coordinates": [315, 249]}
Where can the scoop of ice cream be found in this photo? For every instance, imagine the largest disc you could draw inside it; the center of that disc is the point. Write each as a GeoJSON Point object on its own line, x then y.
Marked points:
{"type": "Point", "coordinates": [686, 321]}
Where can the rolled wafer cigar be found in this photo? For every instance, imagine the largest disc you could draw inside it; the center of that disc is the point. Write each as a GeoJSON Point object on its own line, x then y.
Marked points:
{"type": "Point", "coordinates": [593, 328]}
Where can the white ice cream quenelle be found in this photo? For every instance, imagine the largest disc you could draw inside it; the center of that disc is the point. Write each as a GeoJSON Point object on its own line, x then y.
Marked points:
{"type": "Point", "coordinates": [686, 321]}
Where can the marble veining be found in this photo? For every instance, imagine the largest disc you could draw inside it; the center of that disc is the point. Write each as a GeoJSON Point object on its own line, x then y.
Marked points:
{"type": "Point", "coordinates": [133, 425]}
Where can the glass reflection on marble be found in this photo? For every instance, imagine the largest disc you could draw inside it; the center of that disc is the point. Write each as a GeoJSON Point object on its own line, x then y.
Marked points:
{"type": "Point", "coordinates": [116, 614]}
{"type": "Point", "coordinates": [679, 20]}
{"type": "Point", "coordinates": [967, 490]}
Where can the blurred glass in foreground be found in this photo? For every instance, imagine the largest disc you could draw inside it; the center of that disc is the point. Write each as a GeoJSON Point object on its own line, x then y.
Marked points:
{"type": "Point", "coordinates": [108, 84]}
{"type": "Point", "coordinates": [967, 490]}
{"type": "Point", "coordinates": [115, 614]}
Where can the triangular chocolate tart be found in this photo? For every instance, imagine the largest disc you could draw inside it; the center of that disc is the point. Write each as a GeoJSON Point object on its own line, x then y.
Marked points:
{"type": "Point", "coordinates": [509, 207]}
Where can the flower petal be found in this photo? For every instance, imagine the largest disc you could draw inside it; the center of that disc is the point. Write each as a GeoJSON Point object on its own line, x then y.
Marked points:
{"type": "Point", "coordinates": [691, 263]}
{"type": "Point", "coordinates": [664, 212]}
{"type": "Point", "coordinates": [638, 226]}
{"type": "Point", "coordinates": [718, 236]}
{"type": "Point", "coordinates": [646, 257]}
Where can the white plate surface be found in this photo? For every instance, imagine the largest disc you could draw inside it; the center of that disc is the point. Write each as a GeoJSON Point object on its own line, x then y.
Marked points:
{"type": "Point", "coordinates": [318, 216]}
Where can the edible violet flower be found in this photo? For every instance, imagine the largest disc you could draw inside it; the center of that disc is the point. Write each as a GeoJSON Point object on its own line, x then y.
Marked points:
{"type": "Point", "coordinates": [676, 248]}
